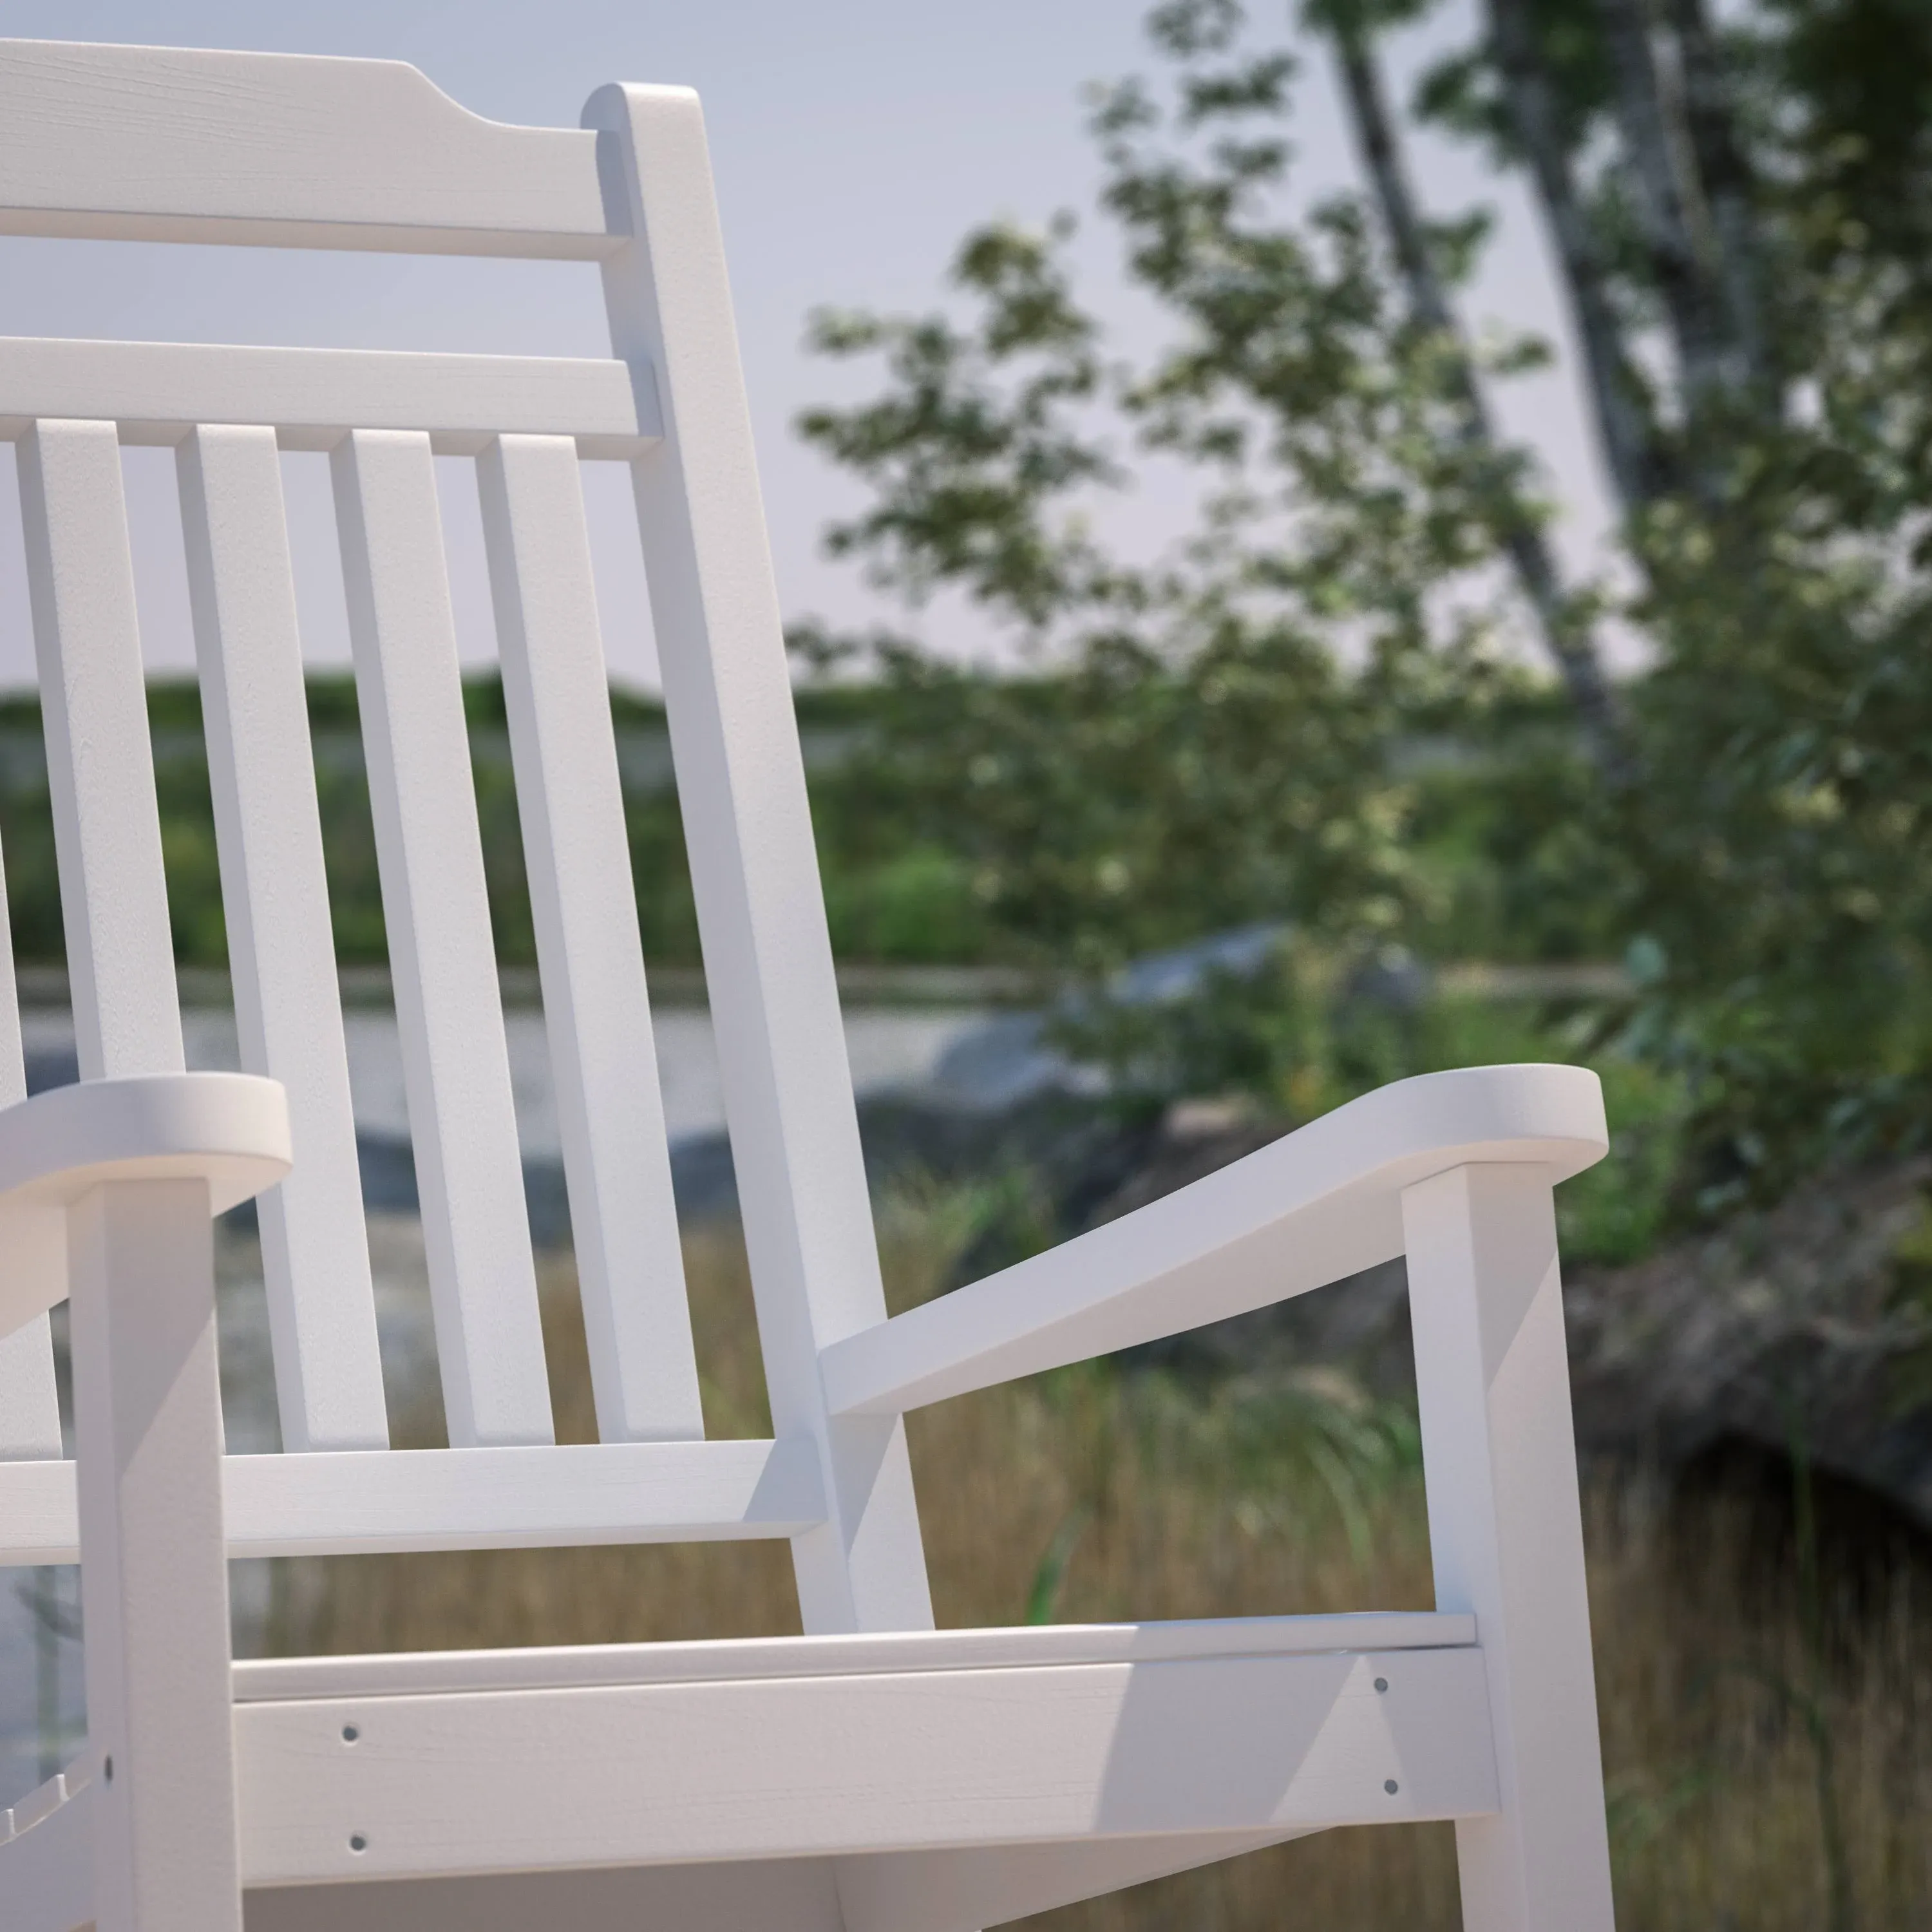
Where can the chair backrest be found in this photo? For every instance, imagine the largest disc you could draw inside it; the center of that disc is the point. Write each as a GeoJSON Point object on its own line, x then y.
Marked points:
{"type": "Point", "coordinates": [156, 145]}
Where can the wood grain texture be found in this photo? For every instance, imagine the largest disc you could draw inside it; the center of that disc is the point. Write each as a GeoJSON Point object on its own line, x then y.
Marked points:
{"type": "Point", "coordinates": [355, 1503]}
{"type": "Point", "coordinates": [534, 1780]}
{"type": "Point", "coordinates": [617, 1159]}
{"type": "Point", "coordinates": [875, 1775]}
{"type": "Point", "coordinates": [866, 1654]}
{"type": "Point", "coordinates": [46, 1857]}
{"type": "Point", "coordinates": [456, 1066]}
{"type": "Point", "coordinates": [281, 947]}
{"type": "Point", "coordinates": [156, 392]}
{"type": "Point", "coordinates": [100, 766]}
{"type": "Point", "coordinates": [228, 1131]}
{"type": "Point", "coordinates": [758, 1895]}
{"type": "Point", "coordinates": [754, 870]}
{"type": "Point", "coordinates": [30, 1427]}
{"type": "Point", "coordinates": [163, 144]}
{"type": "Point", "coordinates": [154, 1577]}
{"type": "Point", "coordinates": [1315, 1206]}
{"type": "Point", "coordinates": [1505, 1535]}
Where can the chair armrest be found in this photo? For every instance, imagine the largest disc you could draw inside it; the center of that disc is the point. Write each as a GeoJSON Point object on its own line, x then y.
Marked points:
{"type": "Point", "coordinates": [229, 1129]}
{"type": "Point", "coordinates": [1318, 1204]}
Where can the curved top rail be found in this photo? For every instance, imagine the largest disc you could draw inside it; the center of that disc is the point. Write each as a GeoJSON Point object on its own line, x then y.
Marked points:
{"type": "Point", "coordinates": [229, 1129]}
{"type": "Point", "coordinates": [1317, 1205]}
{"type": "Point", "coordinates": [291, 151]}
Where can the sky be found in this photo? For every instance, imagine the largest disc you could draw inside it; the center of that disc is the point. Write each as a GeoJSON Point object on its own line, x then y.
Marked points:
{"type": "Point", "coordinates": [853, 142]}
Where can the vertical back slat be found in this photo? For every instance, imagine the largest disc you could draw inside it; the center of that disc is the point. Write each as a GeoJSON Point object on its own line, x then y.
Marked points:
{"type": "Point", "coordinates": [456, 1066]}
{"type": "Point", "coordinates": [315, 1251]}
{"type": "Point", "coordinates": [30, 1430]}
{"type": "Point", "coordinates": [100, 766]}
{"type": "Point", "coordinates": [636, 1320]}
{"type": "Point", "coordinates": [761, 913]}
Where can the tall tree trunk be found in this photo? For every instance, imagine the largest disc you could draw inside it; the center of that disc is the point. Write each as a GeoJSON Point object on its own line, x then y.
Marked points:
{"type": "Point", "coordinates": [1698, 328]}
{"type": "Point", "coordinates": [1638, 470]}
{"type": "Point", "coordinates": [1730, 194]}
{"type": "Point", "coordinates": [1566, 634]}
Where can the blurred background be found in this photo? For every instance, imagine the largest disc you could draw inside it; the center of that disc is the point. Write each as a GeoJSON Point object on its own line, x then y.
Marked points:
{"type": "Point", "coordinates": [1320, 542]}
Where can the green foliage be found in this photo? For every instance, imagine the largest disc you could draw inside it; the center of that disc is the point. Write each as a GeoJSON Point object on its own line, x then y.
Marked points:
{"type": "Point", "coordinates": [1301, 712]}
{"type": "Point", "coordinates": [1194, 750]}
{"type": "Point", "coordinates": [894, 894]}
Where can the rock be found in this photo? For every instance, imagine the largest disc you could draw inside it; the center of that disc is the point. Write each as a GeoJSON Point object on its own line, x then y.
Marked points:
{"type": "Point", "coordinates": [1805, 1331]}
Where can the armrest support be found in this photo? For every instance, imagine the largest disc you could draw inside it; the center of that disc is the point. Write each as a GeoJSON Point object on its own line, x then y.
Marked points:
{"type": "Point", "coordinates": [1318, 1204]}
{"type": "Point", "coordinates": [229, 1129]}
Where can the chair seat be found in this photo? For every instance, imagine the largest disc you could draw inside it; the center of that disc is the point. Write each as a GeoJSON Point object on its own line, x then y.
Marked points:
{"type": "Point", "coordinates": [422, 1767]}
{"type": "Point", "coordinates": [1165, 1737]}
{"type": "Point", "coordinates": [934, 1782]}
{"type": "Point", "coordinates": [416, 1673]}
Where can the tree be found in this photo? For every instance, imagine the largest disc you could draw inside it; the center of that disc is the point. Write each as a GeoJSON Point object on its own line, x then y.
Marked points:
{"type": "Point", "coordinates": [1736, 214]}
{"type": "Point", "coordinates": [1205, 738]}
{"type": "Point", "coordinates": [1563, 620]}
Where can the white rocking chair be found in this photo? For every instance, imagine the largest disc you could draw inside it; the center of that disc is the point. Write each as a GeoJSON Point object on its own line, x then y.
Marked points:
{"type": "Point", "coordinates": [875, 1775]}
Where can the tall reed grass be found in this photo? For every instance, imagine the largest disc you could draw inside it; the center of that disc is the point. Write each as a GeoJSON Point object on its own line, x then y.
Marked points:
{"type": "Point", "coordinates": [1766, 1737]}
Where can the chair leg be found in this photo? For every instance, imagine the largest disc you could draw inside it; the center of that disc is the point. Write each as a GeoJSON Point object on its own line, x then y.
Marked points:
{"type": "Point", "coordinates": [1505, 1530]}
{"type": "Point", "coordinates": [154, 1560]}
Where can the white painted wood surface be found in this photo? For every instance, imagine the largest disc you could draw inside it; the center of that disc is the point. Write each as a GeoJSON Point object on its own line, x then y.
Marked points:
{"type": "Point", "coordinates": [754, 870]}
{"type": "Point", "coordinates": [1316, 1206]}
{"type": "Point", "coordinates": [155, 392]}
{"type": "Point", "coordinates": [154, 1576]}
{"type": "Point", "coordinates": [100, 766]}
{"type": "Point", "coordinates": [1505, 1535]}
{"type": "Point", "coordinates": [29, 1402]}
{"type": "Point", "coordinates": [616, 1159]}
{"type": "Point", "coordinates": [46, 1857]}
{"type": "Point", "coordinates": [353, 1503]}
{"type": "Point", "coordinates": [528, 1780]}
{"type": "Point", "coordinates": [315, 1253]}
{"type": "Point", "coordinates": [869, 1654]}
{"type": "Point", "coordinates": [442, 958]}
{"type": "Point", "coordinates": [875, 1776]}
{"type": "Point", "coordinates": [163, 144]}
{"type": "Point", "coordinates": [228, 1131]}
{"type": "Point", "coordinates": [30, 1428]}
{"type": "Point", "coordinates": [758, 1895]}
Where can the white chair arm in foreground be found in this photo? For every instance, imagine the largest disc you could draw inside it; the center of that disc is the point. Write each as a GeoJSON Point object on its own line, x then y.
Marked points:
{"type": "Point", "coordinates": [107, 1192]}
{"type": "Point", "coordinates": [875, 1775]}
{"type": "Point", "coordinates": [228, 1131]}
{"type": "Point", "coordinates": [1311, 1208]}
{"type": "Point", "coordinates": [1455, 1171]}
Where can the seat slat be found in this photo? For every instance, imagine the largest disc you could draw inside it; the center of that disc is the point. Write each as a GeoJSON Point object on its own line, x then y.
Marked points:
{"type": "Point", "coordinates": [157, 391]}
{"type": "Point", "coordinates": [871, 1654]}
{"type": "Point", "coordinates": [315, 1252]}
{"type": "Point", "coordinates": [29, 1404]}
{"type": "Point", "coordinates": [100, 766]}
{"type": "Point", "coordinates": [603, 1061]}
{"type": "Point", "coordinates": [456, 1067]}
{"type": "Point", "coordinates": [777, 1767]}
{"type": "Point", "coordinates": [355, 1503]}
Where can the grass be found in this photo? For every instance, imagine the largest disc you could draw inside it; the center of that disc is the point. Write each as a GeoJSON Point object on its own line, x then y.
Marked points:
{"type": "Point", "coordinates": [1095, 1495]}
